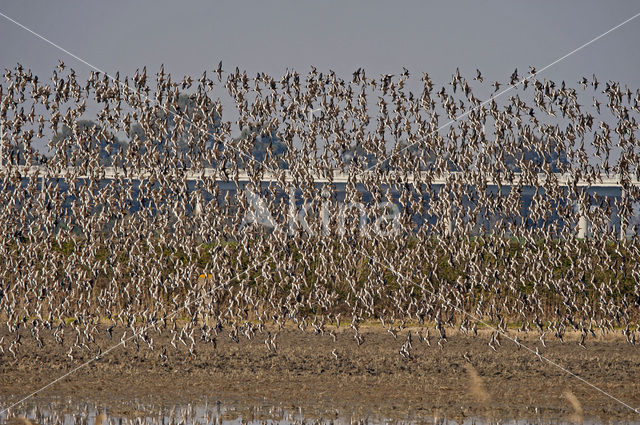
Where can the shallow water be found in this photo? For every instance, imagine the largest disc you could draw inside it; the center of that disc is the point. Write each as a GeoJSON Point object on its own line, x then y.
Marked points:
{"type": "Point", "coordinates": [68, 412]}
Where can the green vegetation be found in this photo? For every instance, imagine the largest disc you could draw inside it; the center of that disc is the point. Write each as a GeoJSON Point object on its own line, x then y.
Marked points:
{"type": "Point", "coordinates": [514, 281]}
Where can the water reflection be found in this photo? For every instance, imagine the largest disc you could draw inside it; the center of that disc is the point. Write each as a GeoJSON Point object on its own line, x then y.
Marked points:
{"type": "Point", "coordinates": [58, 412]}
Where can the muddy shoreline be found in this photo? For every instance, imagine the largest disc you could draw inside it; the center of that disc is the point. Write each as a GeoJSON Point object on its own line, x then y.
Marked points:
{"type": "Point", "coordinates": [465, 378]}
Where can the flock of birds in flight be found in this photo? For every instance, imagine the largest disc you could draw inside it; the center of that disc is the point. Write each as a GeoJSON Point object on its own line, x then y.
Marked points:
{"type": "Point", "coordinates": [82, 255]}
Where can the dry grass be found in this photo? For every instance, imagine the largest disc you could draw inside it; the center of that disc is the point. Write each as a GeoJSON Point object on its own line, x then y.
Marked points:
{"type": "Point", "coordinates": [577, 415]}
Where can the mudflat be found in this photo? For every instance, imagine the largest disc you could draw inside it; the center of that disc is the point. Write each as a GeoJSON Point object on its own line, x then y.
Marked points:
{"type": "Point", "coordinates": [462, 377]}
